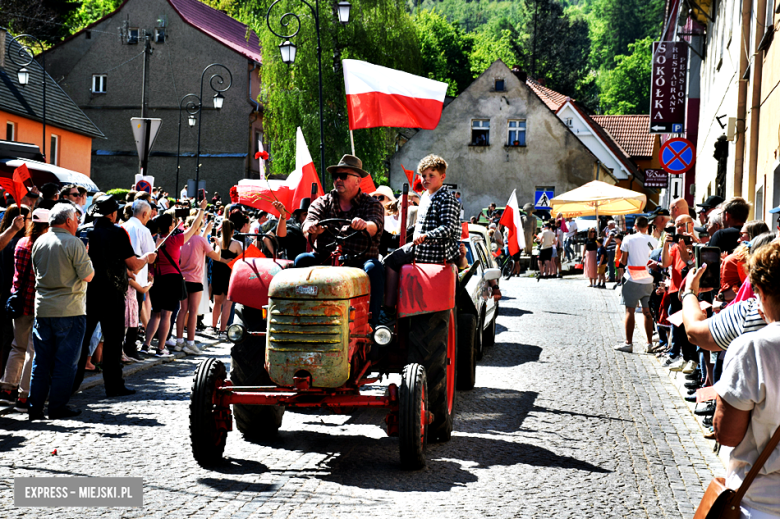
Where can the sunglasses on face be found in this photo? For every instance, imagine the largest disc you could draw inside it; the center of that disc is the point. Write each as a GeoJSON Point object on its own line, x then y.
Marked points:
{"type": "Point", "coordinates": [73, 194]}
{"type": "Point", "coordinates": [380, 198]}
{"type": "Point", "coordinates": [342, 176]}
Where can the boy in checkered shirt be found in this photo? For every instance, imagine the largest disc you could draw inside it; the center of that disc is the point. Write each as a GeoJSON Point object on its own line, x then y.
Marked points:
{"type": "Point", "coordinates": [436, 233]}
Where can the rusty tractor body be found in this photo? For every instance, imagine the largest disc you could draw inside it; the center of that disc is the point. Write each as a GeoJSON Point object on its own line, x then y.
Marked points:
{"type": "Point", "coordinates": [303, 339]}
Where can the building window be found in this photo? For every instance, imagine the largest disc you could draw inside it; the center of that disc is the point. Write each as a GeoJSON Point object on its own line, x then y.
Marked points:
{"type": "Point", "coordinates": [10, 131]}
{"type": "Point", "coordinates": [499, 84]}
{"type": "Point", "coordinates": [515, 133]}
{"type": "Point", "coordinates": [132, 36]}
{"type": "Point", "coordinates": [568, 121]}
{"type": "Point", "coordinates": [159, 35]}
{"type": "Point", "coordinates": [480, 132]}
{"type": "Point", "coordinates": [98, 83]}
{"type": "Point", "coordinates": [54, 150]}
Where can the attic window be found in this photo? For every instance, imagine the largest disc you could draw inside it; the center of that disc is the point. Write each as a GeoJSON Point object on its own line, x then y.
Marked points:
{"type": "Point", "coordinates": [99, 83]}
{"type": "Point", "coordinates": [499, 84]}
{"type": "Point", "coordinates": [568, 121]}
{"type": "Point", "coordinates": [88, 35]}
{"type": "Point", "coordinates": [132, 36]}
{"type": "Point", "coordinates": [159, 35]}
{"type": "Point", "coordinates": [480, 132]}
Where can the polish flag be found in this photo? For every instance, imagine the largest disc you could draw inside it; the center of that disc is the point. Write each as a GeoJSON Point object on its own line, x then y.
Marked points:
{"type": "Point", "coordinates": [511, 220]}
{"type": "Point", "coordinates": [304, 176]}
{"type": "Point", "coordinates": [379, 96]}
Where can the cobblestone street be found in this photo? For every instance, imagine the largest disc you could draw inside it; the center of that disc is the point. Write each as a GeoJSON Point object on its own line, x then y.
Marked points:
{"type": "Point", "coordinates": [559, 425]}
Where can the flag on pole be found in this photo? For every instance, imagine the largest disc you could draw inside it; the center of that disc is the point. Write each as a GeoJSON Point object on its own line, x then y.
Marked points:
{"type": "Point", "coordinates": [379, 96]}
{"type": "Point", "coordinates": [22, 174]}
{"type": "Point", "coordinates": [511, 220]}
{"type": "Point", "coordinates": [305, 174]}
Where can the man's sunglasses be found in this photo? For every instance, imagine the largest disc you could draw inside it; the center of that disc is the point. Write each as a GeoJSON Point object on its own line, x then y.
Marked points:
{"type": "Point", "coordinates": [380, 198]}
{"type": "Point", "coordinates": [75, 193]}
{"type": "Point", "coordinates": [342, 176]}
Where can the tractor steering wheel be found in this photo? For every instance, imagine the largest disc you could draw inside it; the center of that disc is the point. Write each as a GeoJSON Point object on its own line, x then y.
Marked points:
{"type": "Point", "coordinates": [333, 227]}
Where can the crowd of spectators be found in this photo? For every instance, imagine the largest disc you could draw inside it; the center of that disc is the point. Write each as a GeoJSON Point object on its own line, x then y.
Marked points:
{"type": "Point", "coordinates": [92, 286]}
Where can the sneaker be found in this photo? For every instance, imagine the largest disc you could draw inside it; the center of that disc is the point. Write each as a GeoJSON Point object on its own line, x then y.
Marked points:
{"type": "Point", "coordinates": [222, 336]}
{"type": "Point", "coordinates": [191, 348]}
{"type": "Point", "coordinates": [22, 405]}
{"type": "Point", "coordinates": [693, 376]}
{"type": "Point", "coordinates": [163, 353]}
{"type": "Point", "coordinates": [691, 398]}
{"type": "Point", "coordinates": [136, 356]}
{"type": "Point", "coordinates": [649, 347]}
{"type": "Point", "coordinates": [693, 384]}
{"type": "Point", "coordinates": [8, 397]}
{"type": "Point", "coordinates": [677, 365]}
{"type": "Point", "coordinates": [171, 342]}
{"type": "Point", "coordinates": [707, 422]}
{"type": "Point", "coordinates": [625, 347]}
{"type": "Point", "coordinates": [178, 345]}
{"type": "Point", "coordinates": [690, 367]}
{"type": "Point", "coordinates": [668, 361]}
{"type": "Point", "coordinates": [707, 410]}
{"type": "Point", "coordinates": [126, 359]}
{"type": "Point", "coordinates": [144, 350]}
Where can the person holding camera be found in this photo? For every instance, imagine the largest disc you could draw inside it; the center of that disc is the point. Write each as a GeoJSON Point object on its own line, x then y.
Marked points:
{"type": "Point", "coordinates": [678, 257]}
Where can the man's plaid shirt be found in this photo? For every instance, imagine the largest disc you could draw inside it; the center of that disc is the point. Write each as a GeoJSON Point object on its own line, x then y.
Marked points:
{"type": "Point", "coordinates": [363, 206]}
{"type": "Point", "coordinates": [22, 259]}
{"type": "Point", "coordinates": [441, 221]}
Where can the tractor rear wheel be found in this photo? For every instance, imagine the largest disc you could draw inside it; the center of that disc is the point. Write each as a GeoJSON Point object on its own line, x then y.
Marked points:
{"type": "Point", "coordinates": [207, 438]}
{"type": "Point", "coordinates": [467, 351]}
{"type": "Point", "coordinates": [432, 343]}
{"type": "Point", "coordinates": [247, 368]}
{"type": "Point", "coordinates": [413, 417]}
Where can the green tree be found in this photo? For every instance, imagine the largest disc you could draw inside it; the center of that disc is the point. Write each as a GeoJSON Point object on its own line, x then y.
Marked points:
{"type": "Point", "coordinates": [90, 11]}
{"type": "Point", "coordinates": [380, 32]}
{"type": "Point", "coordinates": [44, 19]}
{"type": "Point", "coordinates": [444, 50]}
{"type": "Point", "coordinates": [626, 88]}
{"type": "Point", "coordinates": [487, 49]}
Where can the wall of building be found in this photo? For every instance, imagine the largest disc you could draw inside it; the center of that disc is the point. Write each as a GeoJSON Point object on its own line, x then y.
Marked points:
{"type": "Point", "coordinates": [174, 70]}
{"type": "Point", "coordinates": [553, 156]}
{"type": "Point", "coordinates": [768, 167]}
{"type": "Point", "coordinates": [75, 150]}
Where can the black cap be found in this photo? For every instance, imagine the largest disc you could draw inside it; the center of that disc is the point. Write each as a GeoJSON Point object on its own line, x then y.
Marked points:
{"type": "Point", "coordinates": [712, 201]}
{"type": "Point", "coordinates": [103, 206]}
{"type": "Point", "coordinates": [701, 230]}
{"type": "Point", "coordinates": [658, 211]}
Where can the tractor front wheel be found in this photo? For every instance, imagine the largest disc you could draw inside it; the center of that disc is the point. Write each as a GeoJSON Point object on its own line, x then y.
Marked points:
{"type": "Point", "coordinates": [432, 343]}
{"type": "Point", "coordinates": [413, 417]}
{"type": "Point", "coordinates": [207, 433]}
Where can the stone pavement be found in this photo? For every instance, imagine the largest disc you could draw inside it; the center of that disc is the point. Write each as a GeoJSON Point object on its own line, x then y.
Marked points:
{"type": "Point", "coordinates": [559, 425]}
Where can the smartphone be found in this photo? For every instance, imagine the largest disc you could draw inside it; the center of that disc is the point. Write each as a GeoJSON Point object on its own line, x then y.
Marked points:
{"type": "Point", "coordinates": [182, 213]}
{"type": "Point", "coordinates": [687, 239]}
{"type": "Point", "coordinates": [709, 256]}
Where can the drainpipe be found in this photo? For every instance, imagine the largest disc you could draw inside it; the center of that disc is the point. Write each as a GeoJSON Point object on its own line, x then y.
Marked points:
{"type": "Point", "coordinates": [739, 155]}
{"type": "Point", "coordinates": [755, 106]}
{"type": "Point", "coordinates": [252, 118]}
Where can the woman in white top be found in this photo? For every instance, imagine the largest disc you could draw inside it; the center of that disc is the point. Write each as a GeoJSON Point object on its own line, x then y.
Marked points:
{"type": "Point", "coordinates": [748, 410]}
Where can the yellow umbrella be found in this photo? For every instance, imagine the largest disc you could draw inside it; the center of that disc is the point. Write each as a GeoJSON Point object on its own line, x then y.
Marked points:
{"type": "Point", "coordinates": [596, 198]}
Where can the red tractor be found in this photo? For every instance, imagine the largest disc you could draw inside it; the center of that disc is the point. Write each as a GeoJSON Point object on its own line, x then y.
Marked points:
{"type": "Point", "coordinates": [302, 339]}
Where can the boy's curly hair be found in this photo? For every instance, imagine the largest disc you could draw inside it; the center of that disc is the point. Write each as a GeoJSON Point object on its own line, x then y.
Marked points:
{"type": "Point", "coordinates": [432, 161]}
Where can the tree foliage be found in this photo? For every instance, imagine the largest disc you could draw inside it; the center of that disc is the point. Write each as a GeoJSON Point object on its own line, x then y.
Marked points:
{"type": "Point", "coordinates": [43, 19]}
{"type": "Point", "coordinates": [444, 50]}
{"type": "Point", "coordinates": [626, 88]}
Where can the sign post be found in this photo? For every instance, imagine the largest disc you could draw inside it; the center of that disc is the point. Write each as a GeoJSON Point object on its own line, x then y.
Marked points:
{"type": "Point", "coordinates": [668, 87]}
{"type": "Point", "coordinates": [145, 132]}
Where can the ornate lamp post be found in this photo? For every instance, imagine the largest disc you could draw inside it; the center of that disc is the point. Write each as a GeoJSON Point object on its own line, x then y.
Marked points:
{"type": "Point", "coordinates": [192, 108]}
{"type": "Point", "coordinates": [217, 100]}
{"type": "Point", "coordinates": [24, 57]}
{"type": "Point", "coordinates": [288, 48]}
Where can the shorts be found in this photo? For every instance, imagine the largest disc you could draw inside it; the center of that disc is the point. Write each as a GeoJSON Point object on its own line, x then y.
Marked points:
{"type": "Point", "coordinates": [166, 292]}
{"type": "Point", "coordinates": [601, 270]}
{"type": "Point", "coordinates": [193, 287]}
{"type": "Point", "coordinates": [399, 257]}
{"type": "Point", "coordinates": [554, 252]}
{"type": "Point", "coordinates": [545, 254]}
{"type": "Point", "coordinates": [634, 293]}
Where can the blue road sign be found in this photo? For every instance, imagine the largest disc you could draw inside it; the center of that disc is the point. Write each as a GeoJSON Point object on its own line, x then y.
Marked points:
{"type": "Point", "coordinates": [677, 156]}
{"type": "Point", "coordinates": [677, 128]}
{"type": "Point", "coordinates": [542, 199]}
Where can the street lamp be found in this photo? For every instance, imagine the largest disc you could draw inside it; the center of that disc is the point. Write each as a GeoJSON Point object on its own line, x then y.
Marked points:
{"type": "Point", "coordinates": [192, 108]}
{"type": "Point", "coordinates": [218, 99]}
{"type": "Point", "coordinates": [288, 49]}
{"type": "Point", "coordinates": [24, 57]}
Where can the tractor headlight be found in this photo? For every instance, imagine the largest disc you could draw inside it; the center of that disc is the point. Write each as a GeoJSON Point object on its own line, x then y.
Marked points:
{"type": "Point", "coordinates": [383, 335]}
{"type": "Point", "coordinates": [236, 333]}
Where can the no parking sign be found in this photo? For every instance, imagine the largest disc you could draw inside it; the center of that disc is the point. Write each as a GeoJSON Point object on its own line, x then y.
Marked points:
{"type": "Point", "coordinates": [677, 156]}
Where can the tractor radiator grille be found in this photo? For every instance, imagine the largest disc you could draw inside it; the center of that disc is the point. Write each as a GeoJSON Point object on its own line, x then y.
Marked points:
{"type": "Point", "coordinates": [293, 330]}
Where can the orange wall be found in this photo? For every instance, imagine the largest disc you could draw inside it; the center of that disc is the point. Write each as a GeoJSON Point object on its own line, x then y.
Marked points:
{"type": "Point", "coordinates": [75, 151]}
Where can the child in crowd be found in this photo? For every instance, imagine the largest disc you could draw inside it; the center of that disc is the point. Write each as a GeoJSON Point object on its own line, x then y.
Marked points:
{"type": "Point", "coordinates": [601, 261]}
{"type": "Point", "coordinates": [436, 232]}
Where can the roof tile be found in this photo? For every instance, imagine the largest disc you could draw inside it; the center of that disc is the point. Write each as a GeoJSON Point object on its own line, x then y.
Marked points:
{"type": "Point", "coordinates": [220, 26]}
{"type": "Point", "coordinates": [631, 132]}
{"type": "Point", "coordinates": [551, 98]}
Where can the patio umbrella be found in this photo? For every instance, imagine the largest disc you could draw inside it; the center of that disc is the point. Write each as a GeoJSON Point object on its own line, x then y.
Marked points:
{"type": "Point", "coordinates": [596, 198]}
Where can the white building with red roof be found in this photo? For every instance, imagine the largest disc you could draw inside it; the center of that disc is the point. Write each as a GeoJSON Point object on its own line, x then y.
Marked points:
{"type": "Point", "coordinates": [102, 68]}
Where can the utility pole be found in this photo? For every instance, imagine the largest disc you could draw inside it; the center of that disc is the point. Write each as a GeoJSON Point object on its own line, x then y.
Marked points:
{"type": "Point", "coordinates": [147, 53]}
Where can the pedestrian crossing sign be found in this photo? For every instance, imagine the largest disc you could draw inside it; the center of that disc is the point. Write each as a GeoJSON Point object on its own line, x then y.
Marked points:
{"type": "Point", "coordinates": [542, 199]}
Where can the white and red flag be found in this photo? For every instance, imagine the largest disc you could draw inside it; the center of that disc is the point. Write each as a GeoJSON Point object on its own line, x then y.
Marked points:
{"type": "Point", "coordinates": [511, 220]}
{"type": "Point", "coordinates": [380, 96]}
{"type": "Point", "coordinates": [261, 194]}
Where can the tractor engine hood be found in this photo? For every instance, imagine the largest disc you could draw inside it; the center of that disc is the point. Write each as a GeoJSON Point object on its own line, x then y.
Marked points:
{"type": "Point", "coordinates": [322, 283]}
